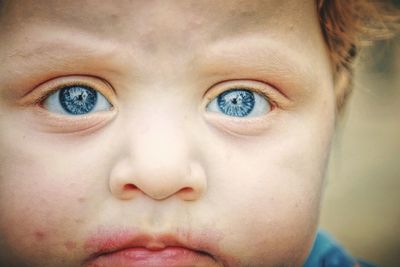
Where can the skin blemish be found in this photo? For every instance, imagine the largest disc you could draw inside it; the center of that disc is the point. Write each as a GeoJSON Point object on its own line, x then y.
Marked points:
{"type": "Point", "coordinates": [39, 235]}
{"type": "Point", "coordinates": [81, 199]}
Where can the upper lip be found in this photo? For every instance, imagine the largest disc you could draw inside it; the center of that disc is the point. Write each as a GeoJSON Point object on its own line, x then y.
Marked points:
{"type": "Point", "coordinates": [113, 241]}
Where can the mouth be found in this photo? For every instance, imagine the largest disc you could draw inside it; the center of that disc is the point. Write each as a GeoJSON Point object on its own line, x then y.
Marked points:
{"type": "Point", "coordinates": [128, 248]}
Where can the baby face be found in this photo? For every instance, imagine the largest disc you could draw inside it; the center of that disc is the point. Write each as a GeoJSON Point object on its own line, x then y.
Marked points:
{"type": "Point", "coordinates": [154, 133]}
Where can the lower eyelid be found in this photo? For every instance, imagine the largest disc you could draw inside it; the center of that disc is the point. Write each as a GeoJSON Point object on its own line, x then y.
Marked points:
{"type": "Point", "coordinates": [45, 121]}
{"type": "Point", "coordinates": [253, 126]}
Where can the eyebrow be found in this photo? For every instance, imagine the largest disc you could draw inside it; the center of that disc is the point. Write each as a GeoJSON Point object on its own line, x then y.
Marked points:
{"type": "Point", "coordinates": [49, 47]}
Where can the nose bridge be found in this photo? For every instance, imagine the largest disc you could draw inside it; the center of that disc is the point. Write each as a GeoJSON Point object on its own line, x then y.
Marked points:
{"type": "Point", "coordinates": [162, 141]}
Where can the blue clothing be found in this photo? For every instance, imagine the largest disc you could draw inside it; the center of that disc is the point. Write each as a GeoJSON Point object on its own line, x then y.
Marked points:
{"type": "Point", "coordinates": [326, 252]}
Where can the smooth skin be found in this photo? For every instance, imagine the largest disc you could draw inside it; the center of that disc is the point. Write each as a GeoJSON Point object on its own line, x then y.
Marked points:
{"type": "Point", "coordinates": [159, 161]}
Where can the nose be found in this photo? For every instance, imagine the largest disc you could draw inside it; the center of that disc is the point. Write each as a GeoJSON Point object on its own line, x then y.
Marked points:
{"type": "Point", "coordinates": [159, 166]}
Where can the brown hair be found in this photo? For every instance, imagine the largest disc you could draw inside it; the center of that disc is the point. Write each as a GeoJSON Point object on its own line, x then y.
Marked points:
{"type": "Point", "coordinates": [349, 25]}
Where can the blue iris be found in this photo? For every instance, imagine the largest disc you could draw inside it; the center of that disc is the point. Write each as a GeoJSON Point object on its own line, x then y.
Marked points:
{"type": "Point", "coordinates": [236, 102]}
{"type": "Point", "coordinates": [77, 99]}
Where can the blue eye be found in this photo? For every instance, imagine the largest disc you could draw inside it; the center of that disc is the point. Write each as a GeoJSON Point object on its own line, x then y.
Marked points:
{"type": "Point", "coordinates": [76, 100]}
{"type": "Point", "coordinates": [239, 103]}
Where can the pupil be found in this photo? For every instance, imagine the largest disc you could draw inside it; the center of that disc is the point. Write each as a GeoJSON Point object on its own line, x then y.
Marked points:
{"type": "Point", "coordinates": [78, 100]}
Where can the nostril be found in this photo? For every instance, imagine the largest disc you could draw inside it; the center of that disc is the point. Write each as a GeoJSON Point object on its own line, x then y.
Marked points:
{"type": "Point", "coordinates": [130, 187]}
{"type": "Point", "coordinates": [188, 193]}
{"type": "Point", "coordinates": [186, 190]}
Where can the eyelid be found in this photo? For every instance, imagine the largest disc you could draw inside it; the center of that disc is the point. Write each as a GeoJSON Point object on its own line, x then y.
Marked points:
{"type": "Point", "coordinates": [41, 92]}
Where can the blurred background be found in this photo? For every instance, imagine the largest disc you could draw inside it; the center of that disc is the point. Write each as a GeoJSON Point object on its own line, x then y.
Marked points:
{"type": "Point", "coordinates": [361, 206]}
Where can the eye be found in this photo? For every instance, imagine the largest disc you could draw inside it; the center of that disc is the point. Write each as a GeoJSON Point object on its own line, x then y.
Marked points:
{"type": "Point", "coordinates": [240, 102]}
{"type": "Point", "coordinates": [76, 100]}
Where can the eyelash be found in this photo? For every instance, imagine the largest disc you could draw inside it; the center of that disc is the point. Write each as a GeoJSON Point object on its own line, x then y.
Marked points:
{"type": "Point", "coordinates": [268, 96]}
{"type": "Point", "coordinates": [46, 89]}
{"type": "Point", "coordinates": [98, 84]}
{"type": "Point", "coordinates": [54, 90]}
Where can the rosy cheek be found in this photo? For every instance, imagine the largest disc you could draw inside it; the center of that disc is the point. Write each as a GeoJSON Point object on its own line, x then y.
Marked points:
{"type": "Point", "coordinates": [40, 221]}
{"type": "Point", "coordinates": [39, 213]}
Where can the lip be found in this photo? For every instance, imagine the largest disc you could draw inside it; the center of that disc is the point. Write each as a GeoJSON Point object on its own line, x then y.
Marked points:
{"type": "Point", "coordinates": [132, 248]}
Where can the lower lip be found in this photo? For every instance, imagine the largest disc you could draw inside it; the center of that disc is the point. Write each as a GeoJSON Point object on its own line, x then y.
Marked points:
{"type": "Point", "coordinates": [167, 257]}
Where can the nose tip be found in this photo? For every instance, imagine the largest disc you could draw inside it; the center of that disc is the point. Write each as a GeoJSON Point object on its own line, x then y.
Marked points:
{"type": "Point", "coordinates": [127, 182]}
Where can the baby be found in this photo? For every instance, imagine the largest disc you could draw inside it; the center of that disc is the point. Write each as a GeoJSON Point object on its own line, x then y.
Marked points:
{"type": "Point", "coordinates": [172, 133]}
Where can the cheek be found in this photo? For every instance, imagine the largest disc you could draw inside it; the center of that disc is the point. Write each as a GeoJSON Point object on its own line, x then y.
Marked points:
{"type": "Point", "coordinates": [45, 190]}
{"type": "Point", "coordinates": [269, 190]}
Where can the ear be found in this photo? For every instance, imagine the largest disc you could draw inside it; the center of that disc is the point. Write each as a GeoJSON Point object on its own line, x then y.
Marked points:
{"type": "Point", "coordinates": [343, 88]}
{"type": "Point", "coordinates": [344, 78]}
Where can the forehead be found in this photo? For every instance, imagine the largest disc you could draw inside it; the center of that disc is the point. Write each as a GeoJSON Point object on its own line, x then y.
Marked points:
{"type": "Point", "coordinates": [168, 37]}
{"type": "Point", "coordinates": [155, 19]}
